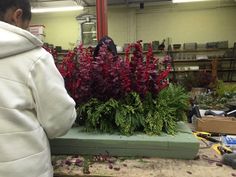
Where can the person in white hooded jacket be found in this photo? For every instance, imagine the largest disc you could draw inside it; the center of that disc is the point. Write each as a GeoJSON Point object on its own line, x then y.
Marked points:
{"type": "Point", "coordinates": [34, 104]}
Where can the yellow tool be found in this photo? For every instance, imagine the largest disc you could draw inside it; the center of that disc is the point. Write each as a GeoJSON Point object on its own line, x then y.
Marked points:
{"type": "Point", "coordinates": [221, 149]}
{"type": "Point", "coordinates": [205, 136]}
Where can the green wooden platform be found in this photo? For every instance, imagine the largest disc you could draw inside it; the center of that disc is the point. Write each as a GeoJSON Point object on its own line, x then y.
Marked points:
{"type": "Point", "coordinates": [181, 146]}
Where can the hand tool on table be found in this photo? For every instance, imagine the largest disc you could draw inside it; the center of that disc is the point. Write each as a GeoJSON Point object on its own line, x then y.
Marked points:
{"type": "Point", "coordinates": [205, 135]}
{"type": "Point", "coordinates": [221, 149]}
{"type": "Point", "coordinates": [229, 159]}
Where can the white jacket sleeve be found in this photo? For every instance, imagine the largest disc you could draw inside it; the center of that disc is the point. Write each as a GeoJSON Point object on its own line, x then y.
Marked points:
{"type": "Point", "coordinates": [55, 108]}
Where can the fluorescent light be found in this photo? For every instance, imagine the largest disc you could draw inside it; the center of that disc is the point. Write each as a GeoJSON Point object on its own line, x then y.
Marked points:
{"type": "Point", "coordinates": [56, 9]}
{"type": "Point", "coordinates": [183, 1]}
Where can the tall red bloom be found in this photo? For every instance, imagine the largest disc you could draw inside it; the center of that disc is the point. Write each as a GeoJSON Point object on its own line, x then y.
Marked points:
{"type": "Point", "coordinates": [108, 76]}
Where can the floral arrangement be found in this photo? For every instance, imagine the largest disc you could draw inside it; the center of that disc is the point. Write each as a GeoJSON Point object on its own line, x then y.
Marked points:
{"type": "Point", "coordinates": [123, 94]}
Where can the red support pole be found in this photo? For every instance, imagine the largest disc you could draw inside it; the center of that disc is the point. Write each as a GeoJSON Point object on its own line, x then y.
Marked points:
{"type": "Point", "coordinates": [102, 28]}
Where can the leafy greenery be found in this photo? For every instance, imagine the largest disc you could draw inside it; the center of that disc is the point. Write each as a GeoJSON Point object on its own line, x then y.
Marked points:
{"type": "Point", "coordinates": [99, 115]}
{"type": "Point", "coordinates": [153, 119]}
{"type": "Point", "coordinates": [86, 166]}
{"type": "Point", "coordinates": [218, 99]}
{"type": "Point", "coordinates": [223, 88]}
{"type": "Point", "coordinates": [129, 115]}
{"type": "Point", "coordinates": [121, 94]}
{"type": "Point", "coordinates": [171, 105]}
{"type": "Point", "coordinates": [210, 101]}
{"type": "Point", "coordinates": [152, 115]}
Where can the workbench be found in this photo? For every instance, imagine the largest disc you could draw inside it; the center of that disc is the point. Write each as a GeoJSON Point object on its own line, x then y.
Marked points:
{"type": "Point", "coordinates": [206, 164]}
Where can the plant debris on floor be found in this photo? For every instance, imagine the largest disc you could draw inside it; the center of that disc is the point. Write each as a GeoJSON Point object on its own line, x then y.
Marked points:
{"type": "Point", "coordinates": [208, 162]}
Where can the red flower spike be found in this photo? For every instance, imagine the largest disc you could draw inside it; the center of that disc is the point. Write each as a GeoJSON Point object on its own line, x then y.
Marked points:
{"type": "Point", "coordinates": [104, 77]}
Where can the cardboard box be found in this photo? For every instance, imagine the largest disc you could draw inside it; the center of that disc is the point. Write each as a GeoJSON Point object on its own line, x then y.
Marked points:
{"type": "Point", "coordinates": [216, 124]}
{"type": "Point", "coordinates": [37, 29]}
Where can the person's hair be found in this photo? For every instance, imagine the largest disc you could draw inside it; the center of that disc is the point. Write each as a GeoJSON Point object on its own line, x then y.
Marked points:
{"type": "Point", "coordinates": [18, 4]}
{"type": "Point", "coordinates": [106, 40]}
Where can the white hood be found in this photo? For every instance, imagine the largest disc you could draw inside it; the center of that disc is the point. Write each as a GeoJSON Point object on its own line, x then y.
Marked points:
{"type": "Point", "coordinates": [34, 105]}
{"type": "Point", "coordinates": [14, 40]}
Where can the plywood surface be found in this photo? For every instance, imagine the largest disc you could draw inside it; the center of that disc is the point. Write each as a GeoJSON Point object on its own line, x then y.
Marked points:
{"type": "Point", "coordinates": [151, 167]}
{"type": "Point", "coordinates": [206, 164]}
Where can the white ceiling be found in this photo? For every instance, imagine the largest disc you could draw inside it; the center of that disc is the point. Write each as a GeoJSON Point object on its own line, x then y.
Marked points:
{"type": "Point", "coordinates": [128, 3]}
{"type": "Point", "coordinates": [89, 3]}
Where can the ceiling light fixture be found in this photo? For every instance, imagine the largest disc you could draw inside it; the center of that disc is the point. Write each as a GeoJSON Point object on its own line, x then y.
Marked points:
{"type": "Point", "coordinates": [184, 1]}
{"type": "Point", "coordinates": [56, 9]}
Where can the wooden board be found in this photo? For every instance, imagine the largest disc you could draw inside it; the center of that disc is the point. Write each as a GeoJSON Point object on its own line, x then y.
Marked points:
{"type": "Point", "coordinates": [181, 146]}
{"type": "Point", "coordinates": [151, 167]}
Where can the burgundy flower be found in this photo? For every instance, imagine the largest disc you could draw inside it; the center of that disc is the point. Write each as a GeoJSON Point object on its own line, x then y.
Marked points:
{"type": "Point", "coordinates": [107, 76]}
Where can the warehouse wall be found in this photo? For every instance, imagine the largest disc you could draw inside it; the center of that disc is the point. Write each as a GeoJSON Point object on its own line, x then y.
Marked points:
{"type": "Point", "coordinates": [61, 29]}
{"type": "Point", "coordinates": [213, 24]}
{"type": "Point", "coordinates": [179, 23]}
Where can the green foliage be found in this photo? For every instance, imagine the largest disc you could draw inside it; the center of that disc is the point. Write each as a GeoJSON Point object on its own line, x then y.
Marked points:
{"type": "Point", "coordinates": [175, 97]}
{"type": "Point", "coordinates": [223, 88]}
{"type": "Point", "coordinates": [172, 103]}
{"type": "Point", "coordinates": [153, 119]}
{"type": "Point", "coordinates": [154, 123]}
{"type": "Point", "coordinates": [129, 115]}
{"type": "Point", "coordinates": [211, 101]}
{"type": "Point", "coordinates": [99, 115]}
{"type": "Point", "coordinates": [86, 166]}
{"type": "Point", "coordinates": [224, 94]}
{"type": "Point", "coordinates": [152, 115]}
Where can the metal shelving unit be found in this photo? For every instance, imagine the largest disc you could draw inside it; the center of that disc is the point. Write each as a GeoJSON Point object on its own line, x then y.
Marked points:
{"type": "Point", "coordinates": [226, 67]}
